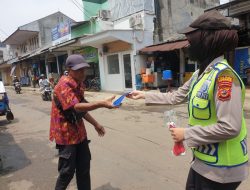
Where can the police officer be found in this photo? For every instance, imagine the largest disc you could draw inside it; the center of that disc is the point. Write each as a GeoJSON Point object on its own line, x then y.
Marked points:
{"type": "Point", "coordinates": [216, 130]}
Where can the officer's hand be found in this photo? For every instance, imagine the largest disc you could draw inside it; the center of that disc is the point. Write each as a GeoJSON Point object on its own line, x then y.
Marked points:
{"type": "Point", "coordinates": [100, 130]}
{"type": "Point", "coordinates": [177, 134]}
{"type": "Point", "coordinates": [135, 95]}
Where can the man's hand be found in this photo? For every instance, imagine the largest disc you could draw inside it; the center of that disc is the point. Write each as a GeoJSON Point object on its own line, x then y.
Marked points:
{"type": "Point", "coordinates": [135, 95]}
{"type": "Point", "coordinates": [100, 130]}
{"type": "Point", "coordinates": [108, 103]}
{"type": "Point", "coordinates": [177, 134]}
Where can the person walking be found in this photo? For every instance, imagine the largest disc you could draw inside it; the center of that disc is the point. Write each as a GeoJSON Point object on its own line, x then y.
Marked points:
{"type": "Point", "coordinates": [216, 130]}
{"type": "Point", "coordinates": [67, 128]}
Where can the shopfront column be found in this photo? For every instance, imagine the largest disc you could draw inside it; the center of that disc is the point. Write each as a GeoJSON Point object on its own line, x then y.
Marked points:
{"type": "Point", "coordinates": [57, 65]}
{"type": "Point", "coordinates": [69, 52]}
{"type": "Point", "coordinates": [46, 65]}
{"type": "Point", "coordinates": [182, 66]}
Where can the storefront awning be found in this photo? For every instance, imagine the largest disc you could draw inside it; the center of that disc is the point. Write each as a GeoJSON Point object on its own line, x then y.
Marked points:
{"type": "Point", "coordinates": [100, 38]}
{"type": "Point", "coordinates": [65, 46]}
{"type": "Point", "coordinates": [166, 47]}
{"type": "Point", "coordinates": [19, 37]}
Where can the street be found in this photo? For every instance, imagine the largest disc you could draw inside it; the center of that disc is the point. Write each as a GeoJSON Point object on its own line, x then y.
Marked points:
{"type": "Point", "coordinates": [135, 153]}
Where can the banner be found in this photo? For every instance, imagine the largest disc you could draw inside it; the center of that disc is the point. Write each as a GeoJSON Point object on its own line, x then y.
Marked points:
{"type": "Point", "coordinates": [61, 33]}
{"type": "Point", "coordinates": [89, 53]}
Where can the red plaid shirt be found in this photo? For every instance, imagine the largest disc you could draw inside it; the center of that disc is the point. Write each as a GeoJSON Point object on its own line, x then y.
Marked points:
{"type": "Point", "coordinates": [69, 93]}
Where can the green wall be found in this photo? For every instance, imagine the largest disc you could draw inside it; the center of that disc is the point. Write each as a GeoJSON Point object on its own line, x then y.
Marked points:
{"type": "Point", "coordinates": [90, 27]}
{"type": "Point", "coordinates": [91, 7]}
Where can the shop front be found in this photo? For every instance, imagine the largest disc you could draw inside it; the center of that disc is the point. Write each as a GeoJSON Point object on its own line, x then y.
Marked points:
{"type": "Point", "coordinates": [118, 59]}
{"type": "Point", "coordinates": [5, 70]}
{"type": "Point", "coordinates": [118, 71]}
{"type": "Point", "coordinates": [167, 64]}
{"type": "Point", "coordinates": [242, 63]}
{"type": "Point", "coordinates": [91, 56]}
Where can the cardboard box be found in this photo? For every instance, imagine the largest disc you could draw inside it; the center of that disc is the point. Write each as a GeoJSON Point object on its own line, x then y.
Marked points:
{"type": "Point", "coordinates": [148, 78]}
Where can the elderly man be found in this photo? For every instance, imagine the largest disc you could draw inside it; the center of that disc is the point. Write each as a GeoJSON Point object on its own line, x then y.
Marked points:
{"type": "Point", "coordinates": [216, 129]}
{"type": "Point", "coordinates": [67, 128]}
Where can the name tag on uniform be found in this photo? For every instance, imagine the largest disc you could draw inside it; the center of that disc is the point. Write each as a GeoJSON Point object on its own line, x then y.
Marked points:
{"type": "Point", "coordinates": [203, 91]}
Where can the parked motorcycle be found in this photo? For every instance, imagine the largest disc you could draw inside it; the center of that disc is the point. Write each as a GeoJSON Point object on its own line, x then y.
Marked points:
{"type": "Point", "coordinates": [4, 104]}
{"type": "Point", "coordinates": [46, 95]}
{"type": "Point", "coordinates": [17, 87]}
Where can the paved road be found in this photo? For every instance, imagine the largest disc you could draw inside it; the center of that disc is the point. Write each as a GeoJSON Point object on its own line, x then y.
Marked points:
{"type": "Point", "coordinates": [133, 155]}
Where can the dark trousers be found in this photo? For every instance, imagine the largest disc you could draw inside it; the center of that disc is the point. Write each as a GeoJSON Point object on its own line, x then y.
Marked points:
{"type": "Point", "coordinates": [74, 159]}
{"type": "Point", "coordinates": [197, 182]}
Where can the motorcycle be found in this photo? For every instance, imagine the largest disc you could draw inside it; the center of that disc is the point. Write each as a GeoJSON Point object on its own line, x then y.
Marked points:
{"type": "Point", "coordinates": [17, 87]}
{"type": "Point", "coordinates": [4, 104]}
{"type": "Point", "coordinates": [46, 95]}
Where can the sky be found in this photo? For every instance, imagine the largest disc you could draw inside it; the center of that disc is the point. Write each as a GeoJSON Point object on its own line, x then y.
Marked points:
{"type": "Point", "coordinates": [224, 1]}
{"type": "Point", "coordinates": [15, 13]}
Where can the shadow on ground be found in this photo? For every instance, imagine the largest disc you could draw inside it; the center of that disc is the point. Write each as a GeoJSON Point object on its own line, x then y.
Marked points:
{"type": "Point", "coordinates": [107, 186]}
{"type": "Point", "coordinates": [12, 156]}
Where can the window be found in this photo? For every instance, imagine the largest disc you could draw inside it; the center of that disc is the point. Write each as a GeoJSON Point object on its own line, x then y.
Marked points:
{"type": "Point", "coordinates": [23, 48]}
{"type": "Point", "coordinates": [113, 64]}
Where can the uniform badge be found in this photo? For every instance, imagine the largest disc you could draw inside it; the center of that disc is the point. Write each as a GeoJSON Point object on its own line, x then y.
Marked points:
{"type": "Point", "coordinates": [203, 91]}
{"type": "Point", "coordinates": [224, 88]}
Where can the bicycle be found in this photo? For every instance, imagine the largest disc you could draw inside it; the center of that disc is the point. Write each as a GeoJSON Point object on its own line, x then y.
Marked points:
{"type": "Point", "coordinates": [93, 84]}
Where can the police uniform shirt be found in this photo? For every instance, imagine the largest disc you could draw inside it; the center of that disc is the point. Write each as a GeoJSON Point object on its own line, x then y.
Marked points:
{"type": "Point", "coordinates": [227, 126]}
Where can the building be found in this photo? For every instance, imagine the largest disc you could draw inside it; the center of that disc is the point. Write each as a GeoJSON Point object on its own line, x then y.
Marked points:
{"type": "Point", "coordinates": [28, 47]}
{"type": "Point", "coordinates": [169, 50]}
{"type": "Point", "coordinates": [239, 13]}
{"type": "Point", "coordinates": [117, 30]}
{"type": "Point", "coordinates": [4, 68]}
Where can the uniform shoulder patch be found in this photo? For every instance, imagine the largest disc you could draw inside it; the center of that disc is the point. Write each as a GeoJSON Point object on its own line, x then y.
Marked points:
{"type": "Point", "coordinates": [224, 87]}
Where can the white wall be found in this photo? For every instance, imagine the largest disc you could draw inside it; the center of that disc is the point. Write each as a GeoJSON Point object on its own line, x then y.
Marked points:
{"type": "Point", "coordinates": [114, 82]}
{"type": "Point", "coordinates": [142, 39]}
{"type": "Point", "coordinates": [101, 68]}
{"type": "Point", "coordinates": [140, 63]}
{"type": "Point", "coordinates": [104, 25]}
{"type": "Point", "coordinates": [6, 55]}
{"type": "Point", "coordinates": [147, 20]}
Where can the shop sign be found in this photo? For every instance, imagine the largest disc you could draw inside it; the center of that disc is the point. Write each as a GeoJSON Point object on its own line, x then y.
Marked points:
{"type": "Point", "coordinates": [61, 33]}
{"type": "Point", "coordinates": [241, 61]}
{"type": "Point", "coordinates": [89, 53]}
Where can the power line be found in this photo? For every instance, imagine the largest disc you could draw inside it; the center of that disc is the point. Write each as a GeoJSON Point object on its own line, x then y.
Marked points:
{"type": "Point", "coordinates": [76, 4]}
{"type": "Point", "coordinates": [80, 8]}
{"type": "Point", "coordinates": [84, 9]}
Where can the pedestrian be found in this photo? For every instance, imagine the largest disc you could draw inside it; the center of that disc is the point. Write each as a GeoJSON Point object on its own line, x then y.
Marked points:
{"type": "Point", "coordinates": [43, 82]}
{"type": "Point", "coordinates": [67, 128]}
{"type": "Point", "coordinates": [216, 130]}
{"type": "Point", "coordinates": [34, 80]}
{"type": "Point", "coordinates": [15, 80]}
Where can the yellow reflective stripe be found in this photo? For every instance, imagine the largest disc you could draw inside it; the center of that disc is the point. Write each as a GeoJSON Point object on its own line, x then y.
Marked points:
{"type": "Point", "coordinates": [205, 157]}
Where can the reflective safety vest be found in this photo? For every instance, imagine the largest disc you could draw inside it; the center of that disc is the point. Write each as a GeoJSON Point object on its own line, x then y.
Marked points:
{"type": "Point", "coordinates": [202, 111]}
